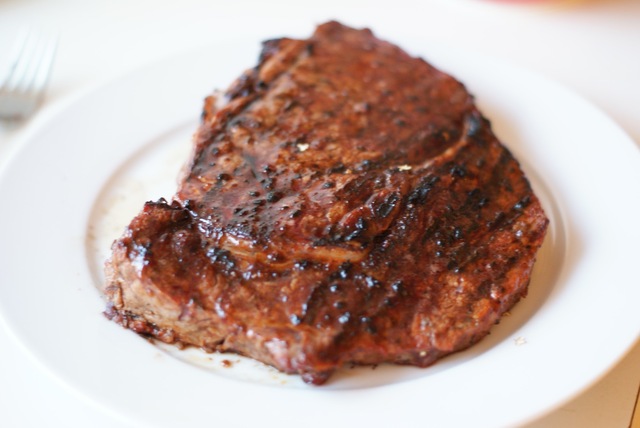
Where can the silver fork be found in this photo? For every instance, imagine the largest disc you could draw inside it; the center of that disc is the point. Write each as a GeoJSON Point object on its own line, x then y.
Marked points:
{"type": "Point", "coordinates": [23, 85]}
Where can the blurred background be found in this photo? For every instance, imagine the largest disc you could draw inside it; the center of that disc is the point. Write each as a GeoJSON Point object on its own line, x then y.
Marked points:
{"type": "Point", "coordinates": [545, 36]}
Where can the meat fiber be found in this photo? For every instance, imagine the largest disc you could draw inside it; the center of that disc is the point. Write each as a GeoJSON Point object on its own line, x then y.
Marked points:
{"type": "Point", "coordinates": [344, 203]}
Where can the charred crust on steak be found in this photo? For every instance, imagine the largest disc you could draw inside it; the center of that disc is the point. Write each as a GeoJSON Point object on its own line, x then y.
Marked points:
{"type": "Point", "coordinates": [344, 203]}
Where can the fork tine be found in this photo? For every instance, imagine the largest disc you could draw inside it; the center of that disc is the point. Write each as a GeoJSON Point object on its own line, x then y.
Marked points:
{"type": "Point", "coordinates": [14, 56]}
{"type": "Point", "coordinates": [36, 71]}
{"type": "Point", "coordinates": [25, 57]}
{"type": "Point", "coordinates": [43, 71]}
{"type": "Point", "coordinates": [26, 81]}
{"type": "Point", "coordinates": [31, 68]}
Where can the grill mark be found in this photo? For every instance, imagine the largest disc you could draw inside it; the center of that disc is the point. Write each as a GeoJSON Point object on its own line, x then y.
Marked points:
{"type": "Point", "coordinates": [315, 301]}
{"type": "Point", "coordinates": [226, 115]}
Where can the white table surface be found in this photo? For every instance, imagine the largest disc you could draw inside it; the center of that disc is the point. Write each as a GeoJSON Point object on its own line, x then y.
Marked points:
{"type": "Point", "coordinates": [590, 46]}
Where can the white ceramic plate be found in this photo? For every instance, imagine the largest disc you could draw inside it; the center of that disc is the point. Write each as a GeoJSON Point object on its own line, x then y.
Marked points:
{"type": "Point", "coordinates": [78, 180]}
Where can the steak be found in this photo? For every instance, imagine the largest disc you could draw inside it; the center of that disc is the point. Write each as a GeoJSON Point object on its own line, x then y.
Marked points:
{"type": "Point", "coordinates": [344, 204]}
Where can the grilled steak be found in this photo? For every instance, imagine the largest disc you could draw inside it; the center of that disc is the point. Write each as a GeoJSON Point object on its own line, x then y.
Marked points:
{"type": "Point", "coordinates": [345, 203]}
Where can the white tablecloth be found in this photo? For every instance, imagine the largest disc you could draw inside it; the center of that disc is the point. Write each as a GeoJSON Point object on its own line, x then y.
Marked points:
{"type": "Point", "coordinates": [590, 46]}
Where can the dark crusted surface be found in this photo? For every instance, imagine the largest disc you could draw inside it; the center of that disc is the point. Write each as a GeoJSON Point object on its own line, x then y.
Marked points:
{"type": "Point", "coordinates": [346, 204]}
